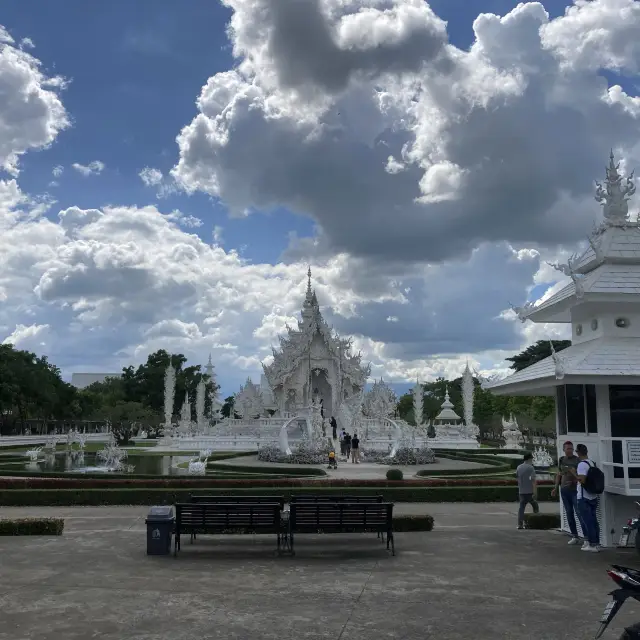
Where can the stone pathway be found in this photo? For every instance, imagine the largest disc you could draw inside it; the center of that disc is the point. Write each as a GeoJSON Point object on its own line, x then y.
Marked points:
{"type": "Point", "coordinates": [362, 470]}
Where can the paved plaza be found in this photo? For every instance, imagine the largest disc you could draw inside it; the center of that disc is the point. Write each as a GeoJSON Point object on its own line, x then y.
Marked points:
{"type": "Point", "coordinates": [474, 576]}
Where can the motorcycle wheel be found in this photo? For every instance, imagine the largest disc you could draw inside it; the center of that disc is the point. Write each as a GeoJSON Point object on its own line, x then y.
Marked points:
{"type": "Point", "coordinates": [631, 633]}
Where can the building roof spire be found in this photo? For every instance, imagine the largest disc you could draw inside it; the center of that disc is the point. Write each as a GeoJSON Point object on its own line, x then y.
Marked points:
{"type": "Point", "coordinates": [613, 195]}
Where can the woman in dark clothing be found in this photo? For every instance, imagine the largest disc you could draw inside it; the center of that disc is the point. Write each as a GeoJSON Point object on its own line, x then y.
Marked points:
{"type": "Point", "coordinates": [334, 427]}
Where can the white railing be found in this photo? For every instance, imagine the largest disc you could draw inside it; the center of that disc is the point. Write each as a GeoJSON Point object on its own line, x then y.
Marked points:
{"type": "Point", "coordinates": [629, 458]}
{"type": "Point", "coordinates": [61, 438]}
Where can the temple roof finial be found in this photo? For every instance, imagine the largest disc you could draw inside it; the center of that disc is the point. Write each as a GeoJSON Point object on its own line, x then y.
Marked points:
{"type": "Point", "coordinates": [613, 195]}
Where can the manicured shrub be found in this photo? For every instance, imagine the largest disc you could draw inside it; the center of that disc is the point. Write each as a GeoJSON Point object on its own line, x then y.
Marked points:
{"type": "Point", "coordinates": [542, 520]}
{"type": "Point", "coordinates": [177, 482]}
{"type": "Point", "coordinates": [283, 471]}
{"type": "Point", "coordinates": [413, 523]}
{"type": "Point", "coordinates": [395, 474]}
{"type": "Point", "coordinates": [393, 492]}
{"type": "Point", "coordinates": [32, 527]}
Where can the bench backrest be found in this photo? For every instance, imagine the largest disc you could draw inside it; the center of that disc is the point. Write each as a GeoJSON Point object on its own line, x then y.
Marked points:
{"type": "Point", "coordinates": [227, 516]}
{"type": "Point", "coordinates": [239, 499]}
{"type": "Point", "coordinates": [341, 515]}
{"type": "Point", "coordinates": [325, 498]}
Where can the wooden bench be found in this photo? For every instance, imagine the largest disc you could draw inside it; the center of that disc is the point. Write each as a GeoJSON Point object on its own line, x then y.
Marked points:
{"type": "Point", "coordinates": [325, 498]}
{"type": "Point", "coordinates": [204, 517]}
{"type": "Point", "coordinates": [341, 517]}
{"type": "Point", "coordinates": [239, 499]}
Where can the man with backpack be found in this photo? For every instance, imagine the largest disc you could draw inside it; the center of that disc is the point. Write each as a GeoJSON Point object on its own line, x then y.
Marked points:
{"type": "Point", "coordinates": [590, 486]}
{"type": "Point", "coordinates": [568, 484]}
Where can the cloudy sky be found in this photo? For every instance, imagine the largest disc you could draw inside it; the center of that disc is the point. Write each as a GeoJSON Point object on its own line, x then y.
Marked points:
{"type": "Point", "coordinates": [168, 170]}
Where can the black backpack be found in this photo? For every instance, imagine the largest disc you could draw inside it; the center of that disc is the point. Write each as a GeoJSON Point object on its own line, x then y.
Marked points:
{"type": "Point", "coordinates": [594, 482]}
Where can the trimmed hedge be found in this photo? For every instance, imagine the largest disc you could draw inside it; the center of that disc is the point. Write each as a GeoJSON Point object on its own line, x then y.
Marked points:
{"type": "Point", "coordinates": [264, 470]}
{"type": "Point", "coordinates": [186, 482]}
{"type": "Point", "coordinates": [395, 474]}
{"type": "Point", "coordinates": [32, 527]}
{"type": "Point", "coordinates": [542, 520]}
{"type": "Point", "coordinates": [412, 523]}
{"type": "Point", "coordinates": [148, 496]}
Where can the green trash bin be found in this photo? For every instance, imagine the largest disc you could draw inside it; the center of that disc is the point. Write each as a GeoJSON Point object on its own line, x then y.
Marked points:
{"type": "Point", "coordinates": [160, 523]}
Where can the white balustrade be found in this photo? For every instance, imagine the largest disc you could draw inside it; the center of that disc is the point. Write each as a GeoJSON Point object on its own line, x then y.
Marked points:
{"type": "Point", "coordinates": [617, 473]}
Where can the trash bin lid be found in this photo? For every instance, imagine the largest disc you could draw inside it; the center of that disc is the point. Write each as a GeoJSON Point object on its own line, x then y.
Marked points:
{"type": "Point", "coordinates": [160, 513]}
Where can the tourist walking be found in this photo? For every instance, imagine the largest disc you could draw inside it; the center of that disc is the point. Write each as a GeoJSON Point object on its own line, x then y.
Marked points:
{"type": "Point", "coordinates": [567, 482]}
{"type": "Point", "coordinates": [355, 449]}
{"type": "Point", "coordinates": [343, 433]}
{"type": "Point", "coordinates": [347, 445]}
{"type": "Point", "coordinates": [334, 427]}
{"type": "Point", "coordinates": [527, 488]}
{"type": "Point", "coordinates": [589, 477]}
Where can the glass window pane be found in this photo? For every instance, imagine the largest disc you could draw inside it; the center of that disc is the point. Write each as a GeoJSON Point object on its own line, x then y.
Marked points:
{"type": "Point", "coordinates": [574, 394]}
{"type": "Point", "coordinates": [592, 416]}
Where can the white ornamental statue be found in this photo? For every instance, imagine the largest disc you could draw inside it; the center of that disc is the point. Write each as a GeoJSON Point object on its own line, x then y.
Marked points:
{"type": "Point", "coordinates": [614, 196]}
{"type": "Point", "coordinates": [248, 402]}
{"type": "Point", "coordinates": [511, 432]}
{"type": "Point", "coordinates": [542, 459]}
{"type": "Point", "coordinates": [380, 402]}
{"type": "Point", "coordinates": [468, 388]}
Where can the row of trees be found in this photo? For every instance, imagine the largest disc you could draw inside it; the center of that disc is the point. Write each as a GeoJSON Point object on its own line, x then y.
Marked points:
{"type": "Point", "coordinates": [535, 413]}
{"type": "Point", "coordinates": [31, 388]}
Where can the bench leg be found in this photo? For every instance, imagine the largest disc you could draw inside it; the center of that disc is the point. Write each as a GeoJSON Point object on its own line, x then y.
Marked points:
{"type": "Point", "coordinates": [176, 544]}
{"type": "Point", "coordinates": [390, 540]}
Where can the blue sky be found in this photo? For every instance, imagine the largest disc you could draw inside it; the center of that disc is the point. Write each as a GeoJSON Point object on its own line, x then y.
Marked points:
{"type": "Point", "coordinates": [136, 70]}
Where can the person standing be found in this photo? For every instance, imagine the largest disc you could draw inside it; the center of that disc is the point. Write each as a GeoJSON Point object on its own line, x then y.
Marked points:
{"type": "Point", "coordinates": [527, 488]}
{"type": "Point", "coordinates": [355, 448]}
{"type": "Point", "coordinates": [343, 433]}
{"type": "Point", "coordinates": [587, 502]}
{"type": "Point", "coordinates": [334, 427]}
{"type": "Point", "coordinates": [567, 482]}
{"type": "Point", "coordinates": [347, 445]}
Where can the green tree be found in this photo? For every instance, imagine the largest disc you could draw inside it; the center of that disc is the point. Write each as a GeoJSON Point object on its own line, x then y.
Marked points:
{"type": "Point", "coordinates": [31, 387]}
{"type": "Point", "coordinates": [536, 352]}
{"type": "Point", "coordinates": [227, 407]}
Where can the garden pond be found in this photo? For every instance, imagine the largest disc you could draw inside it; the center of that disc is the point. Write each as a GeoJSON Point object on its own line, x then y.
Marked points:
{"type": "Point", "coordinates": [76, 462]}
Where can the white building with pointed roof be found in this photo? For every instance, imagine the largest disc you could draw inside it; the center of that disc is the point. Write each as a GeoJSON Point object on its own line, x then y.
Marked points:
{"type": "Point", "coordinates": [313, 363]}
{"type": "Point", "coordinates": [450, 432]}
{"type": "Point", "coordinates": [596, 381]}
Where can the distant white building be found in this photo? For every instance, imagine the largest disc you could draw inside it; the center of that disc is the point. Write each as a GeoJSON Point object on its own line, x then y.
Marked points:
{"type": "Point", "coordinates": [82, 380]}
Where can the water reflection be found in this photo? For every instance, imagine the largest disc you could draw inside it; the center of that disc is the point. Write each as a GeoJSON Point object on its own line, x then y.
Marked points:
{"type": "Point", "coordinates": [80, 462]}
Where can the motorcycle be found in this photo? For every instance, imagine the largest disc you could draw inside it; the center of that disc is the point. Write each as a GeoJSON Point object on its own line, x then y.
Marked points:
{"type": "Point", "coordinates": [632, 525]}
{"type": "Point", "coordinates": [629, 582]}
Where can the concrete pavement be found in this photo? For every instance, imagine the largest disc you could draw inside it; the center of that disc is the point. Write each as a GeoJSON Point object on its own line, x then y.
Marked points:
{"type": "Point", "coordinates": [473, 577]}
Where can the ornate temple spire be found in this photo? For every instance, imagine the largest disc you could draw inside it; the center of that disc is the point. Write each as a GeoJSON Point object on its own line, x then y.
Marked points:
{"type": "Point", "coordinates": [308, 299]}
{"type": "Point", "coordinates": [613, 196]}
{"type": "Point", "coordinates": [447, 404]}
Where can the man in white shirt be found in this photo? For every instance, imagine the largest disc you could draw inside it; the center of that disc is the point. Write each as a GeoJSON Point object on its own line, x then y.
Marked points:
{"type": "Point", "coordinates": [587, 503]}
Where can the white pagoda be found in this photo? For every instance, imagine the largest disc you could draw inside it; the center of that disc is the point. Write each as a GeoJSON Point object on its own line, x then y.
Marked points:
{"type": "Point", "coordinates": [314, 365]}
{"type": "Point", "coordinates": [450, 432]}
{"type": "Point", "coordinates": [596, 381]}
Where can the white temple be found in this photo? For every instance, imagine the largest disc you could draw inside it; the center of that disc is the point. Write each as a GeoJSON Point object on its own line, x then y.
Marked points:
{"type": "Point", "coordinates": [313, 363]}
{"type": "Point", "coordinates": [314, 376]}
{"type": "Point", "coordinates": [596, 381]}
